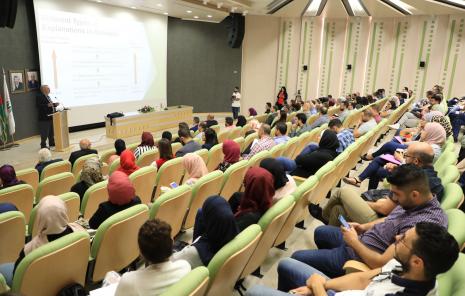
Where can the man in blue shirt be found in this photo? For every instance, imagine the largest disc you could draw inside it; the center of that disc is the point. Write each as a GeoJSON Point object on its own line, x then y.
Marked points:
{"type": "Point", "coordinates": [281, 130]}
{"type": "Point", "coordinates": [345, 136]}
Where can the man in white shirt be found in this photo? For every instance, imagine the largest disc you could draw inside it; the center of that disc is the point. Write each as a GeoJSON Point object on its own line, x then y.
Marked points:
{"type": "Point", "coordinates": [413, 270]}
{"type": "Point", "coordinates": [156, 248]}
{"type": "Point", "coordinates": [236, 102]}
{"type": "Point", "coordinates": [366, 124]}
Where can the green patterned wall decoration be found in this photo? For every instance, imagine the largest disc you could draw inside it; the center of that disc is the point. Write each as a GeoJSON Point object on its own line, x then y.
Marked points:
{"type": "Point", "coordinates": [398, 57]}
{"type": "Point", "coordinates": [377, 36]}
{"type": "Point", "coordinates": [351, 53]}
{"type": "Point", "coordinates": [427, 33]}
{"type": "Point", "coordinates": [285, 46]}
{"type": "Point", "coordinates": [456, 27]}
{"type": "Point", "coordinates": [307, 38]}
{"type": "Point", "coordinates": [327, 60]}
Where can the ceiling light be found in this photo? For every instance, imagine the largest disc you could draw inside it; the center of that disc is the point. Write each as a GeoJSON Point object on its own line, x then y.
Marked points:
{"type": "Point", "coordinates": [189, 11]}
{"type": "Point", "coordinates": [313, 8]}
{"type": "Point", "coordinates": [165, 13]}
{"type": "Point", "coordinates": [456, 3]}
{"type": "Point", "coordinates": [219, 5]}
{"type": "Point", "coordinates": [196, 17]}
{"type": "Point", "coordinates": [99, 1]}
{"type": "Point", "coordinates": [209, 16]}
{"type": "Point", "coordinates": [160, 5]}
{"type": "Point", "coordinates": [400, 6]}
{"type": "Point", "coordinates": [133, 7]}
{"type": "Point", "coordinates": [357, 8]}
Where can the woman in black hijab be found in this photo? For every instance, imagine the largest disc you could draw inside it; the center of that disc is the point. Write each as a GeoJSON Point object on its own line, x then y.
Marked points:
{"type": "Point", "coordinates": [283, 184]}
{"type": "Point", "coordinates": [241, 121]}
{"type": "Point", "coordinates": [309, 164]}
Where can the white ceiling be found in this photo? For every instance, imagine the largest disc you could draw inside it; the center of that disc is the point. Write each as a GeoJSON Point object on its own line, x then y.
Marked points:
{"type": "Point", "coordinates": [217, 10]}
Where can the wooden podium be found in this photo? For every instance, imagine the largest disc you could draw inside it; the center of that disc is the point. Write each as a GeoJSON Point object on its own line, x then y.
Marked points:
{"type": "Point", "coordinates": [60, 130]}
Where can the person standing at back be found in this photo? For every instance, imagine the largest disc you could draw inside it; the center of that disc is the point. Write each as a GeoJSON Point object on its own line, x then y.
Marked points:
{"type": "Point", "coordinates": [45, 108]}
{"type": "Point", "coordinates": [236, 102]}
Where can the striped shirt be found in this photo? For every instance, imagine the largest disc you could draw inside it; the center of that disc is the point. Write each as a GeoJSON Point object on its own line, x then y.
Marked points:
{"type": "Point", "coordinates": [382, 235]}
{"type": "Point", "coordinates": [266, 143]}
{"type": "Point", "coordinates": [345, 137]}
{"type": "Point", "coordinates": [141, 149]}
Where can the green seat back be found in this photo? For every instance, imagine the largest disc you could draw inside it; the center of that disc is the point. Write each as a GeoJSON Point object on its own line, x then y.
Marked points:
{"type": "Point", "coordinates": [114, 166]}
{"type": "Point", "coordinates": [449, 175]}
{"type": "Point", "coordinates": [329, 166]}
{"type": "Point", "coordinates": [456, 224]}
{"type": "Point", "coordinates": [105, 155]}
{"type": "Point", "coordinates": [452, 282]}
{"type": "Point", "coordinates": [445, 159]}
{"type": "Point", "coordinates": [62, 184]}
{"type": "Point", "coordinates": [232, 180]}
{"type": "Point", "coordinates": [12, 229]}
{"type": "Point", "coordinates": [257, 158]}
{"type": "Point", "coordinates": [453, 196]}
{"type": "Point", "coordinates": [193, 284]}
{"type": "Point", "coordinates": [55, 167]}
{"type": "Point", "coordinates": [85, 199]}
{"type": "Point", "coordinates": [22, 196]}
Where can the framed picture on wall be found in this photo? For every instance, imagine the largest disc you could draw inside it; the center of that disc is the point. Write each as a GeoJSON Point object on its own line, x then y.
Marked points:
{"type": "Point", "coordinates": [32, 78]}
{"type": "Point", "coordinates": [17, 83]}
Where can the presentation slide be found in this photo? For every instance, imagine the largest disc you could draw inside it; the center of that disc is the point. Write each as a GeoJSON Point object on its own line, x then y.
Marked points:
{"type": "Point", "coordinates": [99, 59]}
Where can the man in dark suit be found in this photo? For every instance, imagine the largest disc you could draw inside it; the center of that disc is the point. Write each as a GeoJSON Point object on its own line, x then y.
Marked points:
{"type": "Point", "coordinates": [18, 84]}
{"type": "Point", "coordinates": [32, 83]}
{"type": "Point", "coordinates": [45, 108]}
{"type": "Point", "coordinates": [84, 146]}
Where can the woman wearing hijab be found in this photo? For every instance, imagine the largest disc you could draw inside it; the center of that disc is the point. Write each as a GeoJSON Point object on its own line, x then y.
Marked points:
{"type": "Point", "coordinates": [166, 152]}
{"type": "Point", "coordinates": [215, 226]}
{"type": "Point", "coordinates": [248, 207]}
{"type": "Point", "coordinates": [146, 144]}
{"type": "Point", "coordinates": [282, 118]}
{"type": "Point", "coordinates": [195, 167]}
{"type": "Point", "coordinates": [91, 174]}
{"type": "Point", "coordinates": [52, 223]}
{"type": "Point", "coordinates": [283, 184]}
{"type": "Point", "coordinates": [8, 176]}
{"type": "Point", "coordinates": [232, 154]}
{"type": "Point", "coordinates": [241, 121]}
{"type": "Point", "coordinates": [211, 139]}
{"type": "Point", "coordinates": [252, 112]}
{"type": "Point", "coordinates": [434, 134]}
{"type": "Point", "coordinates": [127, 163]}
{"type": "Point", "coordinates": [121, 196]}
{"type": "Point", "coordinates": [436, 116]}
{"type": "Point", "coordinates": [120, 146]}
{"type": "Point", "coordinates": [309, 164]}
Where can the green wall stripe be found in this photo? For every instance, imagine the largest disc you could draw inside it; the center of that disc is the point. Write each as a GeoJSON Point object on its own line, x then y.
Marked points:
{"type": "Point", "coordinates": [326, 43]}
{"type": "Point", "coordinates": [425, 74]}
{"type": "Point", "coordinates": [349, 43]}
{"type": "Point", "coordinates": [400, 71]}
{"type": "Point", "coordinates": [283, 35]}
{"type": "Point", "coordinates": [305, 42]}
{"type": "Point", "coordinates": [422, 43]}
{"type": "Point", "coordinates": [372, 43]}
{"type": "Point", "coordinates": [396, 47]}
{"type": "Point", "coordinates": [452, 76]}
{"type": "Point", "coordinates": [353, 71]}
{"type": "Point", "coordinates": [287, 65]}
{"type": "Point", "coordinates": [329, 72]}
{"type": "Point", "coordinates": [376, 72]}
{"type": "Point", "coordinates": [308, 70]}
{"type": "Point", "coordinates": [449, 46]}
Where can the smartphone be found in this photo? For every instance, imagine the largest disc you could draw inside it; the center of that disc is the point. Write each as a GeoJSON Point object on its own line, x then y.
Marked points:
{"type": "Point", "coordinates": [173, 185]}
{"type": "Point", "coordinates": [344, 222]}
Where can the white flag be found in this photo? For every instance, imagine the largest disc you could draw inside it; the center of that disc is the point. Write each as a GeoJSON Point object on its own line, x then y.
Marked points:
{"type": "Point", "coordinates": [8, 107]}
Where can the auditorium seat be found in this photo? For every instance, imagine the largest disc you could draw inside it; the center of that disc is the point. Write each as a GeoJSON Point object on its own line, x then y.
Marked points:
{"type": "Point", "coordinates": [449, 174]}
{"type": "Point", "coordinates": [170, 171]}
{"type": "Point", "coordinates": [226, 266]}
{"type": "Point", "coordinates": [216, 128]}
{"type": "Point", "coordinates": [324, 175]}
{"type": "Point", "coordinates": [233, 179]}
{"type": "Point", "coordinates": [105, 155]}
{"type": "Point", "coordinates": [114, 166]}
{"type": "Point", "coordinates": [456, 222]}
{"type": "Point", "coordinates": [71, 200]}
{"type": "Point", "coordinates": [277, 150]}
{"type": "Point", "coordinates": [175, 147]}
{"type": "Point", "coordinates": [105, 169]}
{"type": "Point", "coordinates": [223, 135]}
{"type": "Point", "coordinates": [195, 283]}
{"type": "Point", "coordinates": [203, 153]}
{"type": "Point", "coordinates": [312, 118]}
{"type": "Point", "coordinates": [55, 168]}
{"type": "Point", "coordinates": [215, 157]}
{"type": "Point", "coordinates": [12, 228]}
{"type": "Point", "coordinates": [248, 140]}
{"type": "Point", "coordinates": [446, 158]}
{"type": "Point", "coordinates": [94, 196]}
{"type": "Point", "coordinates": [235, 133]}
{"type": "Point", "coordinates": [50, 268]}
{"type": "Point", "coordinates": [203, 188]}
{"type": "Point", "coordinates": [132, 146]}
{"type": "Point", "coordinates": [148, 157]}
{"type": "Point", "coordinates": [451, 283]}
{"type": "Point", "coordinates": [244, 130]}
{"type": "Point", "coordinates": [144, 182]}
{"type": "Point", "coordinates": [241, 142]}
{"type": "Point", "coordinates": [271, 224]}
{"type": "Point", "coordinates": [79, 163]}
{"type": "Point", "coordinates": [453, 196]}
{"type": "Point", "coordinates": [115, 243]}
{"type": "Point", "coordinates": [171, 207]}
{"type": "Point", "coordinates": [257, 158]}
{"type": "Point", "coordinates": [22, 196]}
{"type": "Point", "coordinates": [299, 211]}
{"type": "Point", "coordinates": [55, 185]}
{"type": "Point", "coordinates": [291, 145]}
{"type": "Point", "coordinates": [30, 176]}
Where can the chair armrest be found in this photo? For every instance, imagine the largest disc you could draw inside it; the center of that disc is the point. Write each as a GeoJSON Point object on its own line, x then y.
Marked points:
{"type": "Point", "coordinates": [355, 266]}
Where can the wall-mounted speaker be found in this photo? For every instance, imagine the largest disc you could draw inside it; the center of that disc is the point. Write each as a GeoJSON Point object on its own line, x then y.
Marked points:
{"type": "Point", "coordinates": [305, 67]}
{"type": "Point", "coordinates": [349, 67]}
{"type": "Point", "coordinates": [422, 64]}
{"type": "Point", "coordinates": [8, 9]}
{"type": "Point", "coordinates": [236, 26]}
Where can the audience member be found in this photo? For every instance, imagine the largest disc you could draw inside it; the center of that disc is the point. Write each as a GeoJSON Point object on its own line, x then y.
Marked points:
{"type": "Point", "coordinates": [201, 130]}
{"type": "Point", "coordinates": [159, 273]}
{"type": "Point", "coordinates": [91, 174]}
{"type": "Point", "coordinates": [249, 206]}
{"type": "Point", "coordinates": [300, 126]}
{"type": "Point", "coordinates": [373, 243]}
{"type": "Point", "coordinates": [121, 196]}
{"type": "Point", "coordinates": [189, 144]}
{"type": "Point", "coordinates": [145, 145]}
{"type": "Point", "coordinates": [343, 110]}
{"type": "Point", "coordinates": [120, 146]}
{"type": "Point", "coordinates": [268, 108]}
{"type": "Point", "coordinates": [229, 123]}
{"type": "Point", "coordinates": [282, 98]}
{"type": "Point", "coordinates": [281, 131]}
{"type": "Point", "coordinates": [344, 135]}
{"type": "Point", "coordinates": [241, 121]}
{"type": "Point", "coordinates": [435, 116]}
{"type": "Point", "coordinates": [281, 118]}
{"type": "Point", "coordinates": [413, 270]}
{"type": "Point", "coordinates": [232, 154]}
{"type": "Point", "coordinates": [195, 126]}
{"type": "Point", "coordinates": [85, 149]}
{"type": "Point", "coordinates": [324, 118]}
{"type": "Point", "coordinates": [252, 112]}
{"type": "Point", "coordinates": [265, 142]}
{"type": "Point", "coordinates": [8, 176]}
{"type": "Point", "coordinates": [284, 184]}
{"type": "Point", "coordinates": [366, 124]}
{"type": "Point", "coordinates": [214, 227]}
{"type": "Point", "coordinates": [7, 207]}
{"type": "Point", "coordinates": [195, 168]}
{"type": "Point", "coordinates": [167, 135]}
{"type": "Point", "coordinates": [271, 116]}
{"type": "Point", "coordinates": [45, 158]}
{"type": "Point", "coordinates": [435, 104]}
{"type": "Point", "coordinates": [211, 120]}
{"type": "Point", "coordinates": [127, 162]}
{"type": "Point", "coordinates": [211, 139]}
{"type": "Point", "coordinates": [166, 152]}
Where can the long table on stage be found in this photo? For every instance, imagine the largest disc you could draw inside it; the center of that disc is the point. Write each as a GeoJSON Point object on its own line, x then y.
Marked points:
{"type": "Point", "coordinates": [134, 123]}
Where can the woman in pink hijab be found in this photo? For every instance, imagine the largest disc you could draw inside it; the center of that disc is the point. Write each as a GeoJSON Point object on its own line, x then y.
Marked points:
{"type": "Point", "coordinates": [195, 168]}
{"type": "Point", "coordinates": [434, 134]}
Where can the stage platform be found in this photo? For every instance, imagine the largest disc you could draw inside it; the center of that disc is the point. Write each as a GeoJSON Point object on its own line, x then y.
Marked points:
{"type": "Point", "coordinates": [25, 155]}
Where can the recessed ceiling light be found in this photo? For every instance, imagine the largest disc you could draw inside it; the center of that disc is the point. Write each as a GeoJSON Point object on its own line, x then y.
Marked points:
{"type": "Point", "coordinates": [133, 7]}
{"type": "Point", "coordinates": [196, 17]}
{"type": "Point", "coordinates": [209, 16]}
{"type": "Point", "coordinates": [99, 1]}
{"type": "Point", "coordinates": [165, 13]}
{"type": "Point", "coordinates": [189, 11]}
{"type": "Point", "coordinates": [160, 5]}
